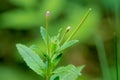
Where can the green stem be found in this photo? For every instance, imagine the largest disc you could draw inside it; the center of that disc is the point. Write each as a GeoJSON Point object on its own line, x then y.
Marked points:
{"type": "Point", "coordinates": [48, 71]}
{"type": "Point", "coordinates": [47, 38]}
{"type": "Point", "coordinates": [82, 21]}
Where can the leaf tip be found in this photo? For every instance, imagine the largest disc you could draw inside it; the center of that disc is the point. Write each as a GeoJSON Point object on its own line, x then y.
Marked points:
{"type": "Point", "coordinates": [18, 44]}
{"type": "Point", "coordinates": [80, 68]}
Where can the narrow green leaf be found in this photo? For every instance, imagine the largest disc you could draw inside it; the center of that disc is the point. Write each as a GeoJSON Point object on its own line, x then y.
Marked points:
{"type": "Point", "coordinates": [43, 34]}
{"type": "Point", "coordinates": [69, 72]}
{"type": "Point", "coordinates": [56, 58]}
{"type": "Point", "coordinates": [80, 68]}
{"type": "Point", "coordinates": [68, 44]}
{"type": "Point", "coordinates": [32, 59]}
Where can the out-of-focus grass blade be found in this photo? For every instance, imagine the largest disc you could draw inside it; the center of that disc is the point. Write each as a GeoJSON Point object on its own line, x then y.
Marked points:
{"type": "Point", "coordinates": [102, 58]}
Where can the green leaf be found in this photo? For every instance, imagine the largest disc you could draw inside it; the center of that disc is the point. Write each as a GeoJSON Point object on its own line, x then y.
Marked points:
{"type": "Point", "coordinates": [33, 47]}
{"type": "Point", "coordinates": [37, 49]}
{"type": "Point", "coordinates": [56, 58]}
{"type": "Point", "coordinates": [80, 68]}
{"type": "Point", "coordinates": [43, 34]}
{"type": "Point", "coordinates": [68, 44]}
{"type": "Point", "coordinates": [69, 72]}
{"type": "Point", "coordinates": [32, 59]}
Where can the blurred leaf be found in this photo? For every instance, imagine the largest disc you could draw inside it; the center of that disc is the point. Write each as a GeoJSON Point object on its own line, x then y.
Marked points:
{"type": "Point", "coordinates": [69, 72]}
{"type": "Point", "coordinates": [18, 19]}
{"type": "Point", "coordinates": [32, 59]}
{"type": "Point", "coordinates": [111, 4]}
{"type": "Point", "coordinates": [15, 73]}
{"type": "Point", "coordinates": [68, 44]}
{"type": "Point", "coordinates": [43, 33]}
{"type": "Point", "coordinates": [24, 3]}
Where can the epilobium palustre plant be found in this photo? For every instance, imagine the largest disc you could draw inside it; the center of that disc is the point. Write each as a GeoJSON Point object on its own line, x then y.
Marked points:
{"type": "Point", "coordinates": [46, 66]}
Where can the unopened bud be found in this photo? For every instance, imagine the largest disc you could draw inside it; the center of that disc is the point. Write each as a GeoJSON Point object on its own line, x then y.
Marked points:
{"type": "Point", "coordinates": [68, 28]}
{"type": "Point", "coordinates": [47, 13]}
{"type": "Point", "coordinates": [90, 9]}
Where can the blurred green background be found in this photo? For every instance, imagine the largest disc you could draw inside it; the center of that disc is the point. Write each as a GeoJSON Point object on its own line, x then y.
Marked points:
{"type": "Point", "coordinates": [98, 46]}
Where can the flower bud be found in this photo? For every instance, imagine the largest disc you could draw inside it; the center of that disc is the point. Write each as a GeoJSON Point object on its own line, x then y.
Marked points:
{"type": "Point", "coordinates": [47, 13]}
{"type": "Point", "coordinates": [68, 28]}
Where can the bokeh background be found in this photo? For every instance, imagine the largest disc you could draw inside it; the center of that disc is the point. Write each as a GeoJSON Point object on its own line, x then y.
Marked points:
{"type": "Point", "coordinates": [98, 47]}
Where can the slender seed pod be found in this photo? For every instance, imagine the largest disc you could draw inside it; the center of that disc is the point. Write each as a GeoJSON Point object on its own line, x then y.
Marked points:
{"type": "Point", "coordinates": [77, 28]}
